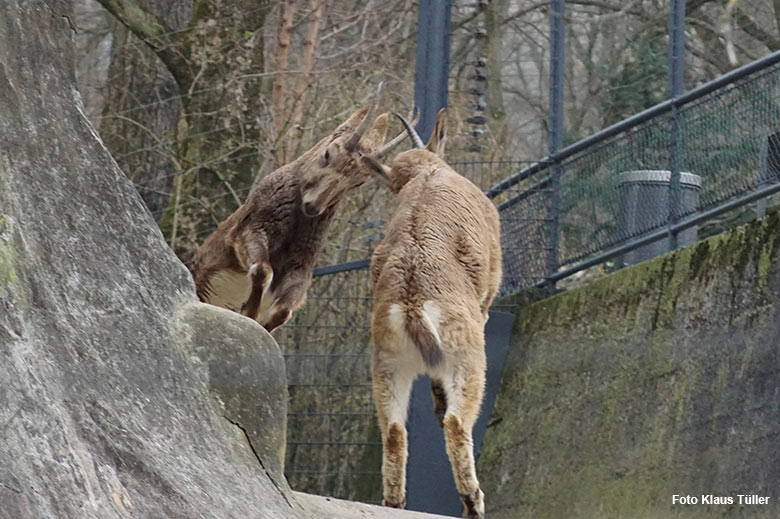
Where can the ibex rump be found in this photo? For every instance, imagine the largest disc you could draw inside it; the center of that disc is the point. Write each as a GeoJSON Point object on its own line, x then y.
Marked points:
{"type": "Point", "coordinates": [434, 276]}
{"type": "Point", "coordinates": [260, 260]}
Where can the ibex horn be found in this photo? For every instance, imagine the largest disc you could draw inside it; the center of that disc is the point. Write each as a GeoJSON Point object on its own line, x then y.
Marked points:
{"type": "Point", "coordinates": [353, 141]}
{"type": "Point", "coordinates": [418, 143]}
{"type": "Point", "coordinates": [387, 148]}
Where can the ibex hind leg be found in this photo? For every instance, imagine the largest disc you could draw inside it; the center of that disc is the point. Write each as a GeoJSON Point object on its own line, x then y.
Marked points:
{"type": "Point", "coordinates": [439, 401]}
{"type": "Point", "coordinates": [392, 388]}
{"type": "Point", "coordinates": [464, 395]}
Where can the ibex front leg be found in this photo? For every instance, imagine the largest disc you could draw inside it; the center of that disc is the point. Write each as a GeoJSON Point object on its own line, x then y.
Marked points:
{"type": "Point", "coordinates": [288, 296]}
{"type": "Point", "coordinates": [251, 249]}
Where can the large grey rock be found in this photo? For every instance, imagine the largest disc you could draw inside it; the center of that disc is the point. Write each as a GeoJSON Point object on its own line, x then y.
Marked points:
{"type": "Point", "coordinates": [120, 394]}
{"type": "Point", "coordinates": [106, 408]}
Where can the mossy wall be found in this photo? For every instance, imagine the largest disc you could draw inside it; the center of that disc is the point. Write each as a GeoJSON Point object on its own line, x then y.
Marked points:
{"type": "Point", "coordinates": [660, 379]}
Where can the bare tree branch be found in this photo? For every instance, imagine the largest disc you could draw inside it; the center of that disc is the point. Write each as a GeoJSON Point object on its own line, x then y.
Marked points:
{"type": "Point", "coordinates": [756, 32]}
{"type": "Point", "coordinates": [153, 31]}
{"type": "Point", "coordinates": [279, 62]}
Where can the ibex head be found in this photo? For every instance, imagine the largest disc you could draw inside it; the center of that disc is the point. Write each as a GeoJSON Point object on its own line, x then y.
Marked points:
{"type": "Point", "coordinates": [406, 165]}
{"type": "Point", "coordinates": [333, 167]}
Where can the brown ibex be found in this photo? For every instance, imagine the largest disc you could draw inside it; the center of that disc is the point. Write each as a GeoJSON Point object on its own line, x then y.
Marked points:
{"type": "Point", "coordinates": [260, 260]}
{"type": "Point", "coordinates": [434, 276]}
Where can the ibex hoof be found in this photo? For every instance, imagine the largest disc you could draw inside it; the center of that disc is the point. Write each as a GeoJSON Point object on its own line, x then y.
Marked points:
{"type": "Point", "coordinates": [387, 503]}
{"type": "Point", "coordinates": [474, 504]}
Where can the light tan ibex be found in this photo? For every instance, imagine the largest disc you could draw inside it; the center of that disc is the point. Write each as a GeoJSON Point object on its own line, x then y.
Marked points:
{"type": "Point", "coordinates": [260, 260]}
{"type": "Point", "coordinates": [434, 275]}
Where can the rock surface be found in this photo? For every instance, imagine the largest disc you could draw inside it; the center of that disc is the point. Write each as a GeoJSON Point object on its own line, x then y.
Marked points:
{"type": "Point", "coordinates": [120, 394]}
{"type": "Point", "coordinates": [657, 380]}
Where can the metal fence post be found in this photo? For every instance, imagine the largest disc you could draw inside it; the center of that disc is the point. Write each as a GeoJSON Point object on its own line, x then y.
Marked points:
{"type": "Point", "coordinates": [431, 72]}
{"type": "Point", "coordinates": [557, 39]}
{"type": "Point", "coordinates": [676, 72]}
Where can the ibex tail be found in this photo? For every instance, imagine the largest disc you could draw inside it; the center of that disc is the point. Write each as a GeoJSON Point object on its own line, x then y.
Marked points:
{"type": "Point", "coordinates": [421, 327]}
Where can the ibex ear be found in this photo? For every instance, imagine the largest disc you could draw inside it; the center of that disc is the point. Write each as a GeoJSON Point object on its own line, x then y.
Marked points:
{"type": "Point", "coordinates": [379, 171]}
{"type": "Point", "coordinates": [439, 135]}
{"type": "Point", "coordinates": [376, 136]}
{"type": "Point", "coordinates": [355, 119]}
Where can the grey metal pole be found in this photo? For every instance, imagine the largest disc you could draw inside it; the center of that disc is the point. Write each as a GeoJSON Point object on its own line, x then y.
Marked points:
{"type": "Point", "coordinates": [431, 73]}
{"type": "Point", "coordinates": [555, 141]}
{"type": "Point", "coordinates": [676, 72]}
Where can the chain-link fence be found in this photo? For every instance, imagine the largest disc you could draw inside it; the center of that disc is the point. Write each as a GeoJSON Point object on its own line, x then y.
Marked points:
{"type": "Point", "coordinates": [333, 445]}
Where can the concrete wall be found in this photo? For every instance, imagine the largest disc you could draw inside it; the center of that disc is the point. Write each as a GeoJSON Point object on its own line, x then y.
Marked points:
{"type": "Point", "coordinates": [660, 379]}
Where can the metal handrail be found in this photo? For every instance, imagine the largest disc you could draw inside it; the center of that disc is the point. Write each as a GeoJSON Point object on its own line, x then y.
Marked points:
{"type": "Point", "coordinates": [662, 233]}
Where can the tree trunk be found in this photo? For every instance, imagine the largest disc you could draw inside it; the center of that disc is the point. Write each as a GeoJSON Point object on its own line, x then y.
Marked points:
{"type": "Point", "coordinates": [215, 60]}
{"type": "Point", "coordinates": [493, 15]}
{"type": "Point", "coordinates": [305, 78]}
{"type": "Point", "coordinates": [279, 64]}
{"type": "Point", "coordinates": [142, 140]}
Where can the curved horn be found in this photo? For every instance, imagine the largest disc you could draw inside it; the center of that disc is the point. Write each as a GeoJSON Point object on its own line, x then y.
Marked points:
{"type": "Point", "coordinates": [418, 143]}
{"type": "Point", "coordinates": [387, 148]}
{"type": "Point", "coordinates": [352, 143]}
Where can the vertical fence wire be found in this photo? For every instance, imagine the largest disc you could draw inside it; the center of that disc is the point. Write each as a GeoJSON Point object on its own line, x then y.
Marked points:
{"type": "Point", "coordinates": [557, 41]}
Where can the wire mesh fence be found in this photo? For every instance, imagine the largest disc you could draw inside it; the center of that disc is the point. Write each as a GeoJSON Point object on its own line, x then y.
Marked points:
{"type": "Point", "coordinates": [728, 148]}
{"type": "Point", "coordinates": [333, 445]}
{"type": "Point", "coordinates": [722, 138]}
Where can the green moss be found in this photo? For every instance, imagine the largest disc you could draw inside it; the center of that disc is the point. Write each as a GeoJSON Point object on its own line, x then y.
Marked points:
{"type": "Point", "coordinates": [679, 402]}
{"type": "Point", "coordinates": [748, 355]}
{"type": "Point", "coordinates": [701, 254]}
{"type": "Point", "coordinates": [9, 276]}
{"type": "Point", "coordinates": [675, 274]}
{"type": "Point", "coordinates": [763, 266]}
{"type": "Point", "coordinates": [201, 9]}
{"type": "Point", "coordinates": [618, 296]}
{"type": "Point", "coordinates": [8, 273]}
